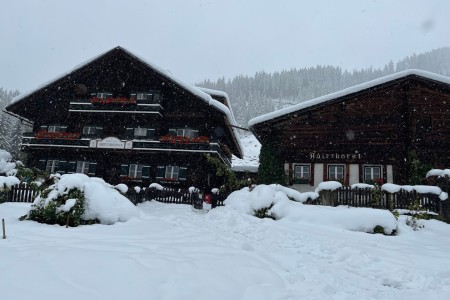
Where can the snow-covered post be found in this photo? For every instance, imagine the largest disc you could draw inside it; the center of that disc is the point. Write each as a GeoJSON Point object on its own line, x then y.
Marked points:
{"type": "Point", "coordinates": [327, 192]}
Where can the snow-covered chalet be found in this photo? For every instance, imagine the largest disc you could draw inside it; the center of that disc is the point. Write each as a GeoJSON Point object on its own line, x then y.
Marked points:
{"type": "Point", "coordinates": [366, 133]}
{"type": "Point", "coordinates": [124, 119]}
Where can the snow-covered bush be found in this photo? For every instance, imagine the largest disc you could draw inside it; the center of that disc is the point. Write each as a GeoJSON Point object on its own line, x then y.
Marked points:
{"type": "Point", "coordinates": [275, 201]}
{"type": "Point", "coordinates": [6, 164]}
{"type": "Point", "coordinates": [76, 199]}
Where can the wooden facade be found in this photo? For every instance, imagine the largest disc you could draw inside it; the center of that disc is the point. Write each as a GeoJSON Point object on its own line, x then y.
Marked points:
{"type": "Point", "coordinates": [121, 118]}
{"type": "Point", "coordinates": [364, 133]}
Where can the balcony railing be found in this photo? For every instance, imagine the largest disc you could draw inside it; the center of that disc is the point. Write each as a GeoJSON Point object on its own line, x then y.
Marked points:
{"type": "Point", "coordinates": [118, 105]}
{"type": "Point", "coordinates": [39, 140]}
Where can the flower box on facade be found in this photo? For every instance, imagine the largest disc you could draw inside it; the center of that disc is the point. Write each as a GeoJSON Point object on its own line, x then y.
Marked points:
{"type": "Point", "coordinates": [117, 100]}
{"type": "Point", "coordinates": [183, 140]}
{"type": "Point", "coordinates": [42, 134]}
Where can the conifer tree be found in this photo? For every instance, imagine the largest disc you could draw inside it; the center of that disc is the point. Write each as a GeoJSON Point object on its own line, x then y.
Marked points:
{"type": "Point", "coordinates": [270, 162]}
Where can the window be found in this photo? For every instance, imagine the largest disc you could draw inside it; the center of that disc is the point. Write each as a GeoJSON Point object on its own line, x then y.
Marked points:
{"type": "Point", "coordinates": [89, 130]}
{"type": "Point", "coordinates": [142, 96]}
{"type": "Point", "coordinates": [190, 133]}
{"type": "Point", "coordinates": [103, 95]}
{"type": "Point", "coordinates": [335, 172]}
{"type": "Point", "coordinates": [54, 128]}
{"type": "Point", "coordinates": [171, 172]}
{"type": "Point", "coordinates": [372, 173]}
{"type": "Point", "coordinates": [82, 167]}
{"type": "Point", "coordinates": [140, 131]}
{"type": "Point", "coordinates": [302, 174]}
{"type": "Point", "coordinates": [52, 166]}
{"type": "Point", "coordinates": [135, 171]}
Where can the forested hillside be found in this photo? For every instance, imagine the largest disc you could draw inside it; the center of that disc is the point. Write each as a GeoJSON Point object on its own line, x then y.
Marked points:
{"type": "Point", "coordinates": [264, 92]}
{"type": "Point", "coordinates": [10, 127]}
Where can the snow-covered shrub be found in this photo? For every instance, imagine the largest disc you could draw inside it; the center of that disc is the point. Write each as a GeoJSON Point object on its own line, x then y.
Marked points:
{"type": "Point", "coordinates": [6, 163]}
{"type": "Point", "coordinates": [79, 199]}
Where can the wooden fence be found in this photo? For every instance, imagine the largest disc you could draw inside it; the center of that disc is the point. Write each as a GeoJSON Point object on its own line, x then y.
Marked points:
{"type": "Point", "coordinates": [24, 193]}
{"type": "Point", "coordinates": [384, 200]}
{"type": "Point", "coordinates": [174, 196]}
{"type": "Point", "coordinates": [18, 193]}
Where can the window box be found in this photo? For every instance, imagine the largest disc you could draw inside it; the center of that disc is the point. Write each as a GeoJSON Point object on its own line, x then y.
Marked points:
{"type": "Point", "coordinates": [112, 100]}
{"type": "Point", "coordinates": [42, 134]}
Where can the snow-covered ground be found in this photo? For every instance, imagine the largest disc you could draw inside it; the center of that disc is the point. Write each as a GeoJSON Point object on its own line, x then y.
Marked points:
{"type": "Point", "coordinates": [173, 252]}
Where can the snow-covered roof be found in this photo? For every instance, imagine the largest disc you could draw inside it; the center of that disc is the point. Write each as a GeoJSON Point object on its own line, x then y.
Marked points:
{"type": "Point", "coordinates": [190, 88]}
{"type": "Point", "coordinates": [347, 91]}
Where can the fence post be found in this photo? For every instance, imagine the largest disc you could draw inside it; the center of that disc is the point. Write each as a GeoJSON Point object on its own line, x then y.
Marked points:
{"type": "Point", "coordinates": [3, 228]}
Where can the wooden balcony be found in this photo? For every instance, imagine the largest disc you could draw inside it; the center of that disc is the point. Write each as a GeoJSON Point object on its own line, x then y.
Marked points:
{"type": "Point", "coordinates": [115, 105]}
{"type": "Point", "coordinates": [40, 141]}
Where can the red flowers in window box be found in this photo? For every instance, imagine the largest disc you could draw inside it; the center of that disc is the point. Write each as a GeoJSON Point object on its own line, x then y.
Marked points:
{"type": "Point", "coordinates": [112, 100]}
{"type": "Point", "coordinates": [130, 179]}
{"type": "Point", "coordinates": [183, 140]}
{"type": "Point", "coordinates": [42, 134]}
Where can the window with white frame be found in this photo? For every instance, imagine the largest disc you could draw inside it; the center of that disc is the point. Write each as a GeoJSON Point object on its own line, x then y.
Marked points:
{"type": "Point", "coordinates": [52, 165]}
{"type": "Point", "coordinates": [82, 167]}
{"type": "Point", "coordinates": [103, 95]}
{"type": "Point", "coordinates": [135, 171]}
{"type": "Point", "coordinates": [140, 131]}
{"type": "Point", "coordinates": [302, 173]}
{"type": "Point", "coordinates": [190, 133]}
{"type": "Point", "coordinates": [89, 130]}
{"type": "Point", "coordinates": [54, 128]}
{"type": "Point", "coordinates": [372, 173]}
{"type": "Point", "coordinates": [142, 96]}
{"type": "Point", "coordinates": [172, 172]}
{"type": "Point", "coordinates": [335, 172]}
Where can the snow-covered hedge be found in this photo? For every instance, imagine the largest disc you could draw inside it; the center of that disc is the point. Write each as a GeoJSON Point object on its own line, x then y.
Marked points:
{"type": "Point", "coordinates": [80, 199]}
{"type": "Point", "coordinates": [274, 201]}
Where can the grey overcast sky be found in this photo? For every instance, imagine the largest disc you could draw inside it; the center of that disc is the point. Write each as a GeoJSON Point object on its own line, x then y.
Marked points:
{"type": "Point", "coordinates": [208, 39]}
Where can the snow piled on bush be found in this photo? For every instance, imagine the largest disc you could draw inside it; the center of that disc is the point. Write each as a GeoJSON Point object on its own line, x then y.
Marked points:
{"type": "Point", "coordinates": [102, 200]}
{"type": "Point", "coordinates": [282, 208]}
{"type": "Point", "coordinates": [8, 181]}
{"type": "Point", "coordinates": [6, 165]}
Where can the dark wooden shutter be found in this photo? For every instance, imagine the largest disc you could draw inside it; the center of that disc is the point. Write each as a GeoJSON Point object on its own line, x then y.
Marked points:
{"type": "Point", "coordinates": [156, 97]}
{"type": "Point", "coordinates": [109, 95]}
{"type": "Point", "coordinates": [43, 128]}
{"type": "Point", "coordinates": [124, 169]}
{"type": "Point", "coordinates": [63, 129]}
{"type": "Point", "coordinates": [173, 131]}
{"type": "Point", "coordinates": [150, 133]}
{"type": "Point", "coordinates": [182, 173]}
{"type": "Point", "coordinates": [93, 94]}
{"type": "Point", "coordinates": [92, 169]}
{"type": "Point", "coordinates": [72, 167]}
{"type": "Point", "coordinates": [62, 166]}
{"type": "Point", "coordinates": [145, 172]}
{"type": "Point", "coordinates": [130, 133]}
{"type": "Point", "coordinates": [160, 172]}
{"type": "Point", "coordinates": [98, 131]}
{"type": "Point", "coordinates": [42, 164]}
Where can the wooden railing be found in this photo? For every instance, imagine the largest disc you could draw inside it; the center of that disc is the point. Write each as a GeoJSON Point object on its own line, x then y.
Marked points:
{"type": "Point", "coordinates": [385, 200]}
{"type": "Point", "coordinates": [18, 193]}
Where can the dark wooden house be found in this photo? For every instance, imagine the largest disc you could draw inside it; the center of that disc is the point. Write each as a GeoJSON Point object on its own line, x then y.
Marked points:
{"type": "Point", "coordinates": [364, 133]}
{"type": "Point", "coordinates": [122, 118]}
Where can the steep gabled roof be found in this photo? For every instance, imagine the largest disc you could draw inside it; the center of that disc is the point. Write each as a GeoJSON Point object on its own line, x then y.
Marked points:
{"type": "Point", "coordinates": [324, 100]}
{"type": "Point", "coordinates": [206, 97]}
